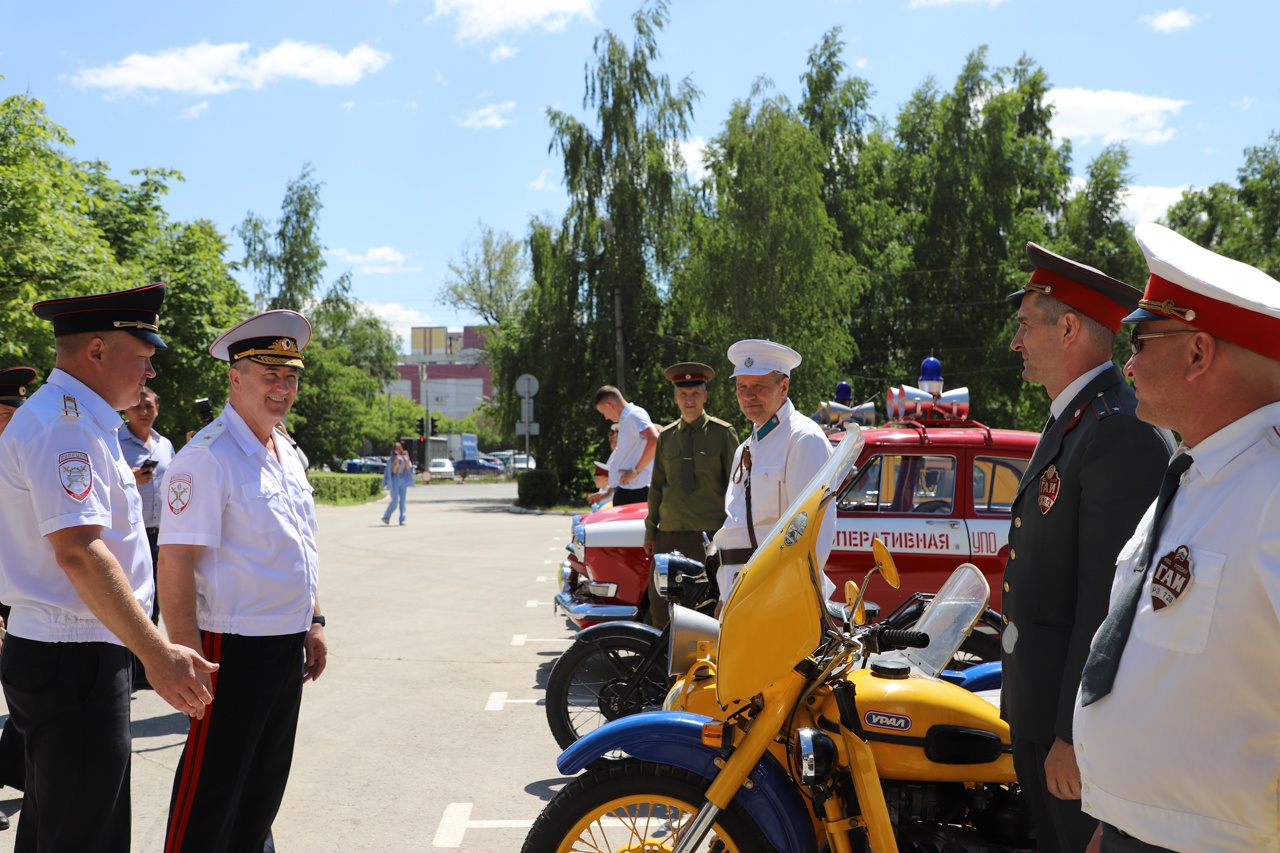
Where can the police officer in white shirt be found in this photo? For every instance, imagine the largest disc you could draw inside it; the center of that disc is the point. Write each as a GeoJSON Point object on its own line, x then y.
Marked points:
{"type": "Point", "coordinates": [1177, 724]}
{"type": "Point", "coordinates": [772, 467]}
{"type": "Point", "coordinates": [76, 571]}
{"type": "Point", "coordinates": [238, 575]}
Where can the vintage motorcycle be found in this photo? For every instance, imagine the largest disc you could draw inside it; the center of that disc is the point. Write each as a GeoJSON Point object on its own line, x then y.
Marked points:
{"type": "Point", "coordinates": [616, 669]}
{"type": "Point", "coordinates": [804, 747]}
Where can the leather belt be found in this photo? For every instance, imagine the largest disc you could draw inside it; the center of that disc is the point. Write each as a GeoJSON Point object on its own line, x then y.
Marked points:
{"type": "Point", "coordinates": [734, 556]}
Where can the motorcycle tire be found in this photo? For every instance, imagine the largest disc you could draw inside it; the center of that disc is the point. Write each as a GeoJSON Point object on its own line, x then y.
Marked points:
{"type": "Point", "coordinates": [636, 805]}
{"type": "Point", "coordinates": [584, 686]}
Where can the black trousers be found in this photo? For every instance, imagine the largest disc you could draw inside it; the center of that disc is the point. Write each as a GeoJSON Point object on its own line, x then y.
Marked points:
{"type": "Point", "coordinates": [70, 701]}
{"type": "Point", "coordinates": [622, 496]}
{"type": "Point", "coordinates": [687, 542]}
{"type": "Point", "coordinates": [234, 767]}
{"type": "Point", "coordinates": [1115, 841]}
{"type": "Point", "coordinates": [1061, 827]}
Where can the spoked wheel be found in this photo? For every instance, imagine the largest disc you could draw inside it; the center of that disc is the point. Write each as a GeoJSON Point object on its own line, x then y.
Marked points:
{"type": "Point", "coordinates": [634, 806]}
{"type": "Point", "coordinates": [589, 684]}
{"type": "Point", "coordinates": [978, 647]}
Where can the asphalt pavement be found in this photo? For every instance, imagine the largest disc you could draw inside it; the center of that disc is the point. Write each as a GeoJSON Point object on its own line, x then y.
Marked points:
{"type": "Point", "coordinates": [427, 730]}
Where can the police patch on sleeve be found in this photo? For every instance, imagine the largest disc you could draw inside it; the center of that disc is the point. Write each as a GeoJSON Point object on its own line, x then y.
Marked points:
{"type": "Point", "coordinates": [76, 474]}
{"type": "Point", "coordinates": [180, 488]}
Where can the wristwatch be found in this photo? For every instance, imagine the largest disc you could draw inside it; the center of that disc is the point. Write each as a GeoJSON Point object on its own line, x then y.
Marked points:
{"type": "Point", "coordinates": [317, 620]}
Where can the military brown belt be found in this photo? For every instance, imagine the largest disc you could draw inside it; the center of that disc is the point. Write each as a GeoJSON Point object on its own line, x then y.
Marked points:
{"type": "Point", "coordinates": [735, 556]}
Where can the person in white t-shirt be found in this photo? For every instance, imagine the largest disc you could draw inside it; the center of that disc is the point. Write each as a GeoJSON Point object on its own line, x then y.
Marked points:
{"type": "Point", "coordinates": [631, 467]}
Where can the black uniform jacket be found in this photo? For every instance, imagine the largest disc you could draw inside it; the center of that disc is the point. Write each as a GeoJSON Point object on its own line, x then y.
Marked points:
{"type": "Point", "coordinates": [1094, 472]}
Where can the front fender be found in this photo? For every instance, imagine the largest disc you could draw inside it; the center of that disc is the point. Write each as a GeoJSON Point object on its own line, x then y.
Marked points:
{"type": "Point", "coordinates": [675, 738]}
{"type": "Point", "coordinates": [607, 630]}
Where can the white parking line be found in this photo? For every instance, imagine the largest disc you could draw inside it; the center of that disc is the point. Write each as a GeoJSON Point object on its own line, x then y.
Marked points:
{"type": "Point", "coordinates": [541, 579]}
{"type": "Point", "coordinates": [499, 701]}
{"type": "Point", "coordinates": [533, 602]}
{"type": "Point", "coordinates": [457, 820]}
{"type": "Point", "coordinates": [522, 639]}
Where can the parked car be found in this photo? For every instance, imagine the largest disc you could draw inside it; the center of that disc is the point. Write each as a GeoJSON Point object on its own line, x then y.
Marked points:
{"type": "Point", "coordinates": [441, 468]}
{"type": "Point", "coordinates": [475, 467]}
{"type": "Point", "coordinates": [938, 493]}
{"type": "Point", "coordinates": [365, 465]}
{"type": "Point", "coordinates": [521, 462]}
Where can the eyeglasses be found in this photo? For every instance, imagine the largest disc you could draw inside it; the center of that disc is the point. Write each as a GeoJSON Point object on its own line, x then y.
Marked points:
{"type": "Point", "coordinates": [1135, 339]}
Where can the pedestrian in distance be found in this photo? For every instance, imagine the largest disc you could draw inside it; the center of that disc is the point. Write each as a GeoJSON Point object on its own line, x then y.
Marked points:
{"type": "Point", "coordinates": [1094, 471]}
{"type": "Point", "coordinates": [605, 474]}
{"type": "Point", "coordinates": [784, 451]}
{"type": "Point", "coordinates": [76, 571]}
{"type": "Point", "coordinates": [148, 454]}
{"type": "Point", "coordinates": [397, 477]}
{"type": "Point", "coordinates": [1178, 717]}
{"type": "Point", "coordinates": [637, 443]}
{"type": "Point", "coordinates": [690, 476]}
{"type": "Point", "coordinates": [239, 573]}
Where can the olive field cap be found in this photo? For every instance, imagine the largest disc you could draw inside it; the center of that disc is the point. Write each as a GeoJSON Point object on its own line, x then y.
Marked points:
{"type": "Point", "coordinates": [1228, 299]}
{"type": "Point", "coordinates": [274, 338]}
{"type": "Point", "coordinates": [1090, 291]}
{"type": "Point", "coordinates": [754, 357]}
{"type": "Point", "coordinates": [135, 311]}
{"type": "Point", "coordinates": [13, 385]}
{"type": "Point", "coordinates": [689, 373]}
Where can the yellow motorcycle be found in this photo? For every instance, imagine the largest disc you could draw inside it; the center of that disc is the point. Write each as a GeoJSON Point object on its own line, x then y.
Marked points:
{"type": "Point", "coordinates": [788, 740]}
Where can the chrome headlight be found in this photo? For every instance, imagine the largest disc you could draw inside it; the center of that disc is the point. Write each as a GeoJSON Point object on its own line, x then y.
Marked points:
{"type": "Point", "coordinates": [814, 755]}
{"type": "Point", "coordinates": [688, 628]}
{"type": "Point", "coordinates": [661, 572]}
{"type": "Point", "coordinates": [580, 542]}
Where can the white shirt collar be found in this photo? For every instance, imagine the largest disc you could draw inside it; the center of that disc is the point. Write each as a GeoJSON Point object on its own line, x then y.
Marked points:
{"type": "Point", "coordinates": [1214, 453]}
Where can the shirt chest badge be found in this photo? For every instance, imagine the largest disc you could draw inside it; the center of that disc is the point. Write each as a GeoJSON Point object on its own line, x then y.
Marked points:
{"type": "Point", "coordinates": [75, 474]}
{"type": "Point", "coordinates": [1050, 483]}
{"type": "Point", "coordinates": [1171, 578]}
{"type": "Point", "coordinates": [180, 488]}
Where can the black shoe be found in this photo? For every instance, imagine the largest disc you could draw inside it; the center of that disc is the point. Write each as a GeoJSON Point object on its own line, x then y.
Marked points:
{"type": "Point", "coordinates": [4, 821]}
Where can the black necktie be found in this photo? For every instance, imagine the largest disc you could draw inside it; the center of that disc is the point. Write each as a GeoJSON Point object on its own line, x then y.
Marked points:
{"type": "Point", "coordinates": [1104, 656]}
{"type": "Point", "coordinates": [688, 481]}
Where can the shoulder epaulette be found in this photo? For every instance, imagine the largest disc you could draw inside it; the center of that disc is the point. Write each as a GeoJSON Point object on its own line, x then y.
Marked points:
{"type": "Point", "coordinates": [1104, 405]}
{"type": "Point", "coordinates": [70, 408]}
{"type": "Point", "coordinates": [207, 436]}
{"type": "Point", "coordinates": [671, 425]}
{"type": "Point", "coordinates": [719, 422]}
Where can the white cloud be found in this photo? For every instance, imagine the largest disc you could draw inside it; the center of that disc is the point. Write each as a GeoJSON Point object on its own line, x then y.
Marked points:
{"type": "Point", "coordinates": [1170, 21]}
{"type": "Point", "coordinates": [214, 69]}
{"type": "Point", "coordinates": [195, 110]}
{"type": "Point", "coordinates": [1244, 104]}
{"type": "Point", "coordinates": [1084, 114]}
{"type": "Point", "coordinates": [380, 260]}
{"type": "Point", "coordinates": [484, 19]}
{"type": "Point", "coordinates": [501, 52]}
{"type": "Point", "coordinates": [1147, 204]}
{"type": "Point", "coordinates": [494, 115]}
{"type": "Point", "coordinates": [691, 151]}
{"type": "Point", "coordinates": [400, 318]}
{"type": "Point", "coordinates": [347, 105]}
{"type": "Point", "coordinates": [860, 63]}
{"type": "Point", "coordinates": [541, 183]}
{"type": "Point", "coordinates": [919, 4]}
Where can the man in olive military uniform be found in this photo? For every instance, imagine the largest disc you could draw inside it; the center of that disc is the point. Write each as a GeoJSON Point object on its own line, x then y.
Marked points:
{"type": "Point", "coordinates": [690, 476]}
{"type": "Point", "coordinates": [1094, 472]}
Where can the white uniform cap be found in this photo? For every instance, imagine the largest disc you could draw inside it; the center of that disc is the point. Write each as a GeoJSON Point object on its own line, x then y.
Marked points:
{"type": "Point", "coordinates": [273, 337]}
{"type": "Point", "coordinates": [1226, 298]}
{"type": "Point", "coordinates": [754, 357]}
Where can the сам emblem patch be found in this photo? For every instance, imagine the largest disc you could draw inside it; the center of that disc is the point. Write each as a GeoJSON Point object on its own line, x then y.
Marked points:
{"type": "Point", "coordinates": [180, 488]}
{"type": "Point", "coordinates": [76, 474]}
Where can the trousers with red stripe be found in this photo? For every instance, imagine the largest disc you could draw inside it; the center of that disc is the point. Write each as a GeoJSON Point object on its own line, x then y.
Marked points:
{"type": "Point", "coordinates": [235, 764]}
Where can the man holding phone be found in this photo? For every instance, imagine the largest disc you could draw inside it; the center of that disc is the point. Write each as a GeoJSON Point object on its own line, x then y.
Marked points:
{"type": "Point", "coordinates": [148, 454]}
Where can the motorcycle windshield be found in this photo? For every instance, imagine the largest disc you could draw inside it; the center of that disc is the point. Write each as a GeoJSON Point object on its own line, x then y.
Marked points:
{"type": "Point", "coordinates": [773, 618]}
{"type": "Point", "coordinates": [949, 617]}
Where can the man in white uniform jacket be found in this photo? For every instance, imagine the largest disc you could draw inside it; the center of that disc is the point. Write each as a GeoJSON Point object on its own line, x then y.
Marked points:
{"type": "Point", "coordinates": [774, 465]}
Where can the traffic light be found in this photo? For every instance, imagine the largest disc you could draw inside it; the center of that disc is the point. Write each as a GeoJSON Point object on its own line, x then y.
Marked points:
{"type": "Point", "coordinates": [422, 426]}
{"type": "Point", "coordinates": [435, 425]}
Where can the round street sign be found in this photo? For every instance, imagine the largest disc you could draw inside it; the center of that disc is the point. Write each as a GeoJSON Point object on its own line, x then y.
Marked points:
{"type": "Point", "coordinates": [526, 385]}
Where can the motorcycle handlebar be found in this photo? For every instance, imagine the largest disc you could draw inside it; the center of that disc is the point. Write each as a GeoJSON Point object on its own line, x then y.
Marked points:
{"type": "Point", "coordinates": [894, 638]}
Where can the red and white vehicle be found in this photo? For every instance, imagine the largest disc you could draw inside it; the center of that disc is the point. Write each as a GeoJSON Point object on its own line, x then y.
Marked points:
{"type": "Point", "coordinates": [937, 492]}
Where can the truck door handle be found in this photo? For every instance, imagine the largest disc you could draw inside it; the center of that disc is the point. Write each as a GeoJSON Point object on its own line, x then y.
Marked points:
{"type": "Point", "coordinates": [954, 525]}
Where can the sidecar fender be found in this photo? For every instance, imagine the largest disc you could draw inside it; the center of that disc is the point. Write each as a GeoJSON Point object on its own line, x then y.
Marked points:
{"type": "Point", "coordinates": [675, 738]}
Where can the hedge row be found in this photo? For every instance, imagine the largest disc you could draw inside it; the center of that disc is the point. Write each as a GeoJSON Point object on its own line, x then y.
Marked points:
{"type": "Point", "coordinates": [346, 488]}
{"type": "Point", "coordinates": [537, 488]}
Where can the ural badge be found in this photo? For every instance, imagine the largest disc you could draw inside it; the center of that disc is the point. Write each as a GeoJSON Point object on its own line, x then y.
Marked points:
{"type": "Point", "coordinates": [1050, 482]}
{"type": "Point", "coordinates": [76, 474]}
{"type": "Point", "coordinates": [1171, 578]}
{"type": "Point", "coordinates": [179, 493]}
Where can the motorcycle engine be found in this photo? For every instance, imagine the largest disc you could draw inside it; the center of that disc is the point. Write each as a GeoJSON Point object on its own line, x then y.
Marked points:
{"type": "Point", "coordinates": [950, 818]}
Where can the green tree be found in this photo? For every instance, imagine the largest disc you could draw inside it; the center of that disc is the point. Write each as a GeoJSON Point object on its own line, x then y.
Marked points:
{"type": "Point", "coordinates": [490, 278]}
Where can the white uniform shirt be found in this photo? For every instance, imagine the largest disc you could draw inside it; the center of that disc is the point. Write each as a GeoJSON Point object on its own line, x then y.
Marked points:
{"type": "Point", "coordinates": [61, 466]}
{"type": "Point", "coordinates": [633, 421]}
{"type": "Point", "coordinates": [1184, 752]}
{"type": "Point", "coordinates": [782, 464]}
{"type": "Point", "coordinates": [254, 517]}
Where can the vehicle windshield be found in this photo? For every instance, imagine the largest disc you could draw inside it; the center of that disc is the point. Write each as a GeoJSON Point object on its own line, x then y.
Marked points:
{"type": "Point", "coordinates": [949, 617]}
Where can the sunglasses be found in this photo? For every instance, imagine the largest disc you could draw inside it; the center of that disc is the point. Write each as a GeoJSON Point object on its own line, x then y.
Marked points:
{"type": "Point", "coordinates": [1135, 339]}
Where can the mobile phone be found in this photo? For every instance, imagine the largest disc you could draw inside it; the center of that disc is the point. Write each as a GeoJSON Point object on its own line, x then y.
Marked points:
{"type": "Point", "coordinates": [148, 464]}
{"type": "Point", "coordinates": [204, 410]}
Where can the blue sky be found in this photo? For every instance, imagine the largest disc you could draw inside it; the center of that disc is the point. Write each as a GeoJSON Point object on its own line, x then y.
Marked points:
{"type": "Point", "coordinates": [423, 117]}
